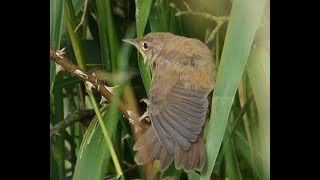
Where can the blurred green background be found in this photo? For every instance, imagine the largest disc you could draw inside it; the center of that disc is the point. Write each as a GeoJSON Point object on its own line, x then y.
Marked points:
{"type": "Point", "coordinates": [237, 132]}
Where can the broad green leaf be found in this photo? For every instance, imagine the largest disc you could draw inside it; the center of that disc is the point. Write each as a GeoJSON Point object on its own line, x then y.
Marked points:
{"type": "Point", "coordinates": [107, 33]}
{"type": "Point", "coordinates": [53, 169]}
{"type": "Point", "coordinates": [69, 81]}
{"type": "Point", "coordinates": [171, 171]}
{"type": "Point", "coordinates": [94, 156]}
{"type": "Point", "coordinates": [58, 149]}
{"type": "Point", "coordinates": [244, 20]}
{"type": "Point", "coordinates": [162, 10]}
{"type": "Point", "coordinates": [229, 134]}
{"type": "Point", "coordinates": [77, 5]}
{"type": "Point", "coordinates": [162, 18]}
{"type": "Point", "coordinates": [76, 43]}
{"type": "Point", "coordinates": [232, 166]}
{"type": "Point", "coordinates": [193, 176]}
{"type": "Point", "coordinates": [142, 14]}
{"type": "Point", "coordinates": [154, 19]}
{"type": "Point", "coordinates": [56, 10]}
{"type": "Point", "coordinates": [103, 29]}
{"type": "Point", "coordinates": [259, 77]}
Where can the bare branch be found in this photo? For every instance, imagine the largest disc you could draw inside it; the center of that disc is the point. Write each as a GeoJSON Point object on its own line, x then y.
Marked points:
{"type": "Point", "coordinates": [105, 93]}
{"type": "Point", "coordinates": [100, 87]}
{"type": "Point", "coordinates": [82, 116]}
{"type": "Point", "coordinates": [219, 20]}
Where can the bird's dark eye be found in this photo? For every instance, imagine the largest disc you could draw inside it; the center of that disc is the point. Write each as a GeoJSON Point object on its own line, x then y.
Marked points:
{"type": "Point", "coordinates": [145, 46]}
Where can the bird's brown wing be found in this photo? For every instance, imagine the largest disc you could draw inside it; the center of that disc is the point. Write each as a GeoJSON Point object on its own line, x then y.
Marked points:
{"type": "Point", "coordinates": [177, 113]}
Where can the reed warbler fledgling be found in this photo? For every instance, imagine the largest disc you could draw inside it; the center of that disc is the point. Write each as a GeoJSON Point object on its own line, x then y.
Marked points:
{"type": "Point", "coordinates": [183, 74]}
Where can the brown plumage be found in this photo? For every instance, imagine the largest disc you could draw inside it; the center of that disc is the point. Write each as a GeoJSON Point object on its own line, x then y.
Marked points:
{"type": "Point", "coordinates": [183, 74]}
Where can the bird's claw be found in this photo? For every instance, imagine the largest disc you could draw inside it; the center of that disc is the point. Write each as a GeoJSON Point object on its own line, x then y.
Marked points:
{"type": "Point", "coordinates": [144, 116]}
{"type": "Point", "coordinates": [145, 100]}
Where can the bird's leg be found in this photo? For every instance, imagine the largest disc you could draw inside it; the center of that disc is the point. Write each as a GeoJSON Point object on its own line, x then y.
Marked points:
{"type": "Point", "coordinates": [145, 100]}
{"type": "Point", "coordinates": [145, 115]}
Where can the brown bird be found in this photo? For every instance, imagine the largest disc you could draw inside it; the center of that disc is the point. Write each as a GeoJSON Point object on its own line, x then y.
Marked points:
{"type": "Point", "coordinates": [183, 74]}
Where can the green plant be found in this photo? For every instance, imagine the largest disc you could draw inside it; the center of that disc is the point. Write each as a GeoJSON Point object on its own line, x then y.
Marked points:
{"type": "Point", "coordinates": [97, 142]}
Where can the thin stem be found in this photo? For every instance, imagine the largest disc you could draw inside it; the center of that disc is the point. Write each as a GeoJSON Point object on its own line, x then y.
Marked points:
{"type": "Point", "coordinates": [217, 51]}
{"type": "Point", "coordinates": [74, 37]}
{"type": "Point", "coordinates": [71, 119]}
{"type": "Point", "coordinates": [219, 20]}
{"type": "Point", "coordinates": [247, 92]}
{"type": "Point", "coordinates": [105, 133]}
{"type": "Point", "coordinates": [131, 114]}
{"type": "Point", "coordinates": [83, 15]}
{"type": "Point", "coordinates": [78, 49]}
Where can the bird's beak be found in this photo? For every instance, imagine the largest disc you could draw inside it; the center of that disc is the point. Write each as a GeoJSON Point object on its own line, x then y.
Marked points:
{"type": "Point", "coordinates": [130, 41]}
{"type": "Point", "coordinates": [135, 44]}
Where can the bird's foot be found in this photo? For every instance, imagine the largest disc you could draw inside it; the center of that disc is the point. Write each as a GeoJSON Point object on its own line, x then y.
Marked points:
{"type": "Point", "coordinates": [144, 116]}
{"type": "Point", "coordinates": [145, 100]}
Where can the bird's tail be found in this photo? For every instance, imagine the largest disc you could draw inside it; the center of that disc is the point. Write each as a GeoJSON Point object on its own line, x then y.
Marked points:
{"type": "Point", "coordinates": [149, 148]}
{"type": "Point", "coordinates": [192, 159]}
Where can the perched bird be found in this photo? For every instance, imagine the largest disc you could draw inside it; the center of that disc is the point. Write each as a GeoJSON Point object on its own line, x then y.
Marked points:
{"type": "Point", "coordinates": [183, 74]}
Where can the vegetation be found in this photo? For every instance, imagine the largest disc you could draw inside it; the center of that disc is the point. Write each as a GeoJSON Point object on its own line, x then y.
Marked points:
{"type": "Point", "coordinates": [92, 140]}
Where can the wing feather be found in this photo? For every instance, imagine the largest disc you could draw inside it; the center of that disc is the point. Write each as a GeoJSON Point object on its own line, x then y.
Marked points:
{"type": "Point", "coordinates": [181, 118]}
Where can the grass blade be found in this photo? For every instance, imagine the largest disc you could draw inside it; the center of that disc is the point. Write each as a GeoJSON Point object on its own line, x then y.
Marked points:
{"type": "Point", "coordinates": [56, 21]}
{"type": "Point", "coordinates": [142, 15]}
{"type": "Point", "coordinates": [244, 20]}
{"type": "Point", "coordinates": [58, 150]}
{"type": "Point", "coordinates": [103, 35]}
{"type": "Point", "coordinates": [259, 77]}
{"type": "Point", "coordinates": [232, 166]}
{"type": "Point", "coordinates": [53, 169]}
{"type": "Point", "coordinates": [77, 5]}
{"type": "Point", "coordinates": [229, 134]}
{"type": "Point", "coordinates": [171, 172]}
{"type": "Point", "coordinates": [79, 53]}
{"type": "Point", "coordinates": [94, 156]}
{"type": "Point", "coordinates": [108, 36]}
{"type": "Point", "coordinates": [193, 176]}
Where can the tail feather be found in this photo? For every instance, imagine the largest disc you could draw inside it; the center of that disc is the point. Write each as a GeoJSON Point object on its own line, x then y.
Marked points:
{"type": "Point", "coordinates": [145, 147]}
{"type": "Point", "coordinates": [201, 155]}
{"type": "Point", "coordinates": [178, 157]}
{"type": "Point", "coordinates": [165, 160]}
{"type": "Point", "coordinates": [192, 159]}
{"type": "Point", "coordinates": [149, 149]}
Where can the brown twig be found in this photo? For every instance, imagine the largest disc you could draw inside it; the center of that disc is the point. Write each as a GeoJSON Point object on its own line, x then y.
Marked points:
{"type": "Point", "coordinates": [219, 20]}
{"type": "Point", "coordinates": [81, 116]}
{"type": "Point", "coordinates": [93, 82]}
{"type": "Point", "coordinates": [130, 113]}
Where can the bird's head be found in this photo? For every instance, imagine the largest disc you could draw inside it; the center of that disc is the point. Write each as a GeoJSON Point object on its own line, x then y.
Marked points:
{"type": "Point", "coordinates": [151, 45]}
